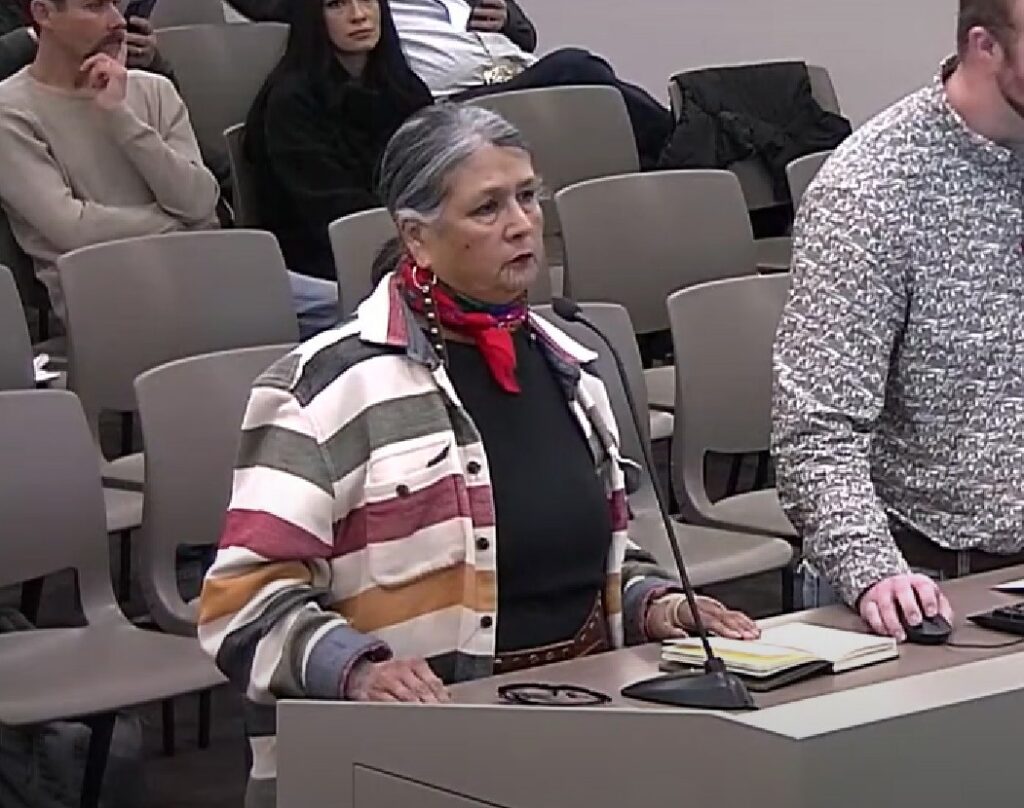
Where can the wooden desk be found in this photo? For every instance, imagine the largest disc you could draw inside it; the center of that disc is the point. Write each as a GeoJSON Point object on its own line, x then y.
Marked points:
{"type": "Point", "coordinates": [936, 727]}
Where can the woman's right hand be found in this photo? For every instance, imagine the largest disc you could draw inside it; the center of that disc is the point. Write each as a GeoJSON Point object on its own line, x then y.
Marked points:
{"type": "Point", "coordinates": [409, 681]}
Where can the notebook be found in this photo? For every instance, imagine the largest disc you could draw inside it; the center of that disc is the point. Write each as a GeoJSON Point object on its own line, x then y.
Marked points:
{"type": "Point", "coordinates": [787, 647]}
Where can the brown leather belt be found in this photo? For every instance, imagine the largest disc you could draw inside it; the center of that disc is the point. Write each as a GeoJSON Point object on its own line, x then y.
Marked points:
{"type": "Point", "coordinates": [922, 553]}
{"type": "Point", "coordinates": [592, 638]}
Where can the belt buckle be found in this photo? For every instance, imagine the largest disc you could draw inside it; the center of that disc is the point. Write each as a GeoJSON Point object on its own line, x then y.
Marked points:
{"type": "Point", "coordinates": [500, 72]}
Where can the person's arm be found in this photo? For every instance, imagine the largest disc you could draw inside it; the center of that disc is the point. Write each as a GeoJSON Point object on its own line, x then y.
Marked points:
{"type": "Point", "coordinates": [321, 178]}
{"type": "Point", "coordinates": [519, 29]}
{"type": "Point", "coordinates": [17, 50]}
{"type": "Point", "coordinates": [847, 306]}
{"type": "Point", "coordinates": [263, 614]}
{"type": "Point", "coordinates": [34, 188]}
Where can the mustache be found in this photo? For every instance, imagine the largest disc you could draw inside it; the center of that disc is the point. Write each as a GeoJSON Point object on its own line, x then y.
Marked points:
{"type": "Point", "coordinates": [115, 38]}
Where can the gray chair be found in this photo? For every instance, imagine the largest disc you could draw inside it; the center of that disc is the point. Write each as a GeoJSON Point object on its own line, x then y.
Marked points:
{"type": "Point", "coordinates": [137, 303]}
{"type": "Point", "coordinates": [33, 293]}
{"type": "Point", "coordinates": [757, 185]}
{"type": "Point", "coordinates": [801, 171]}
{"type": "Point", "coordinates": [773, 254]}
{"type": "Point", "coordinates": [169, 13]}
{"type": "Point", "coordinates": [544, 116]}
{"type": "Point", "coordinates": [682, 228]}
{"type": "Point", "coordinates": [723, 334]}
{"type": "Point", "coordinates": [355, 241]}
{"type": "Point", "coordinates": [191, 414]}
{"type": "Point", "coordinates": [16, 372]}
{"type": "Point", "coordinates": [220, 69]}
{"type": "Point", "coordinates": [108, 664]}
{"type": "Point", "coordinates": [245, 200]}
{"type": "Point", "coordinates": [712, 556]}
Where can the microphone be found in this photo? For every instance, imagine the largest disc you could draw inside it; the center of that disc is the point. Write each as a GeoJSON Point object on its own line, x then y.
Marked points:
{"type": "Point", "coordinates": [716, 688]}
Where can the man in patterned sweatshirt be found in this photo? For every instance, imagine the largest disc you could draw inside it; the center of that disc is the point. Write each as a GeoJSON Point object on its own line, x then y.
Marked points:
{"type": "Point", "coordinates": [899, 362]}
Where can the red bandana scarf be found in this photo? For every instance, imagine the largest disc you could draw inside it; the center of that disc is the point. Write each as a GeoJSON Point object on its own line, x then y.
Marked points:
{"type": "Point", "coordinates": [489, 327]}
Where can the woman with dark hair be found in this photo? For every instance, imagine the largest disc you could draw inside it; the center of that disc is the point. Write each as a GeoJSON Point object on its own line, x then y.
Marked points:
{"type": "Point", "coordinates": [318, 128]}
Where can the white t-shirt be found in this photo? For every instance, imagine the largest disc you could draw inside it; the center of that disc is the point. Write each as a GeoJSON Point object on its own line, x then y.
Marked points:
{"type": "Point", "coordinates": [442, 52]}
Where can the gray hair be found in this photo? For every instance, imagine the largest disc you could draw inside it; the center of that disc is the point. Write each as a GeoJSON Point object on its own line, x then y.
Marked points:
{"type": "Point", "coordinates": [417, 163]}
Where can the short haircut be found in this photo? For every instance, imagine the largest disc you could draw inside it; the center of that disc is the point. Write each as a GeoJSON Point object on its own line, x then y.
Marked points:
{"type": "Point", "coordinates": [995, 16]}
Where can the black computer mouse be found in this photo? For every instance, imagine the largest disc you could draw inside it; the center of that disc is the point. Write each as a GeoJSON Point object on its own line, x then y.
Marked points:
{"type": "Point", "coordinates": [931, 631]}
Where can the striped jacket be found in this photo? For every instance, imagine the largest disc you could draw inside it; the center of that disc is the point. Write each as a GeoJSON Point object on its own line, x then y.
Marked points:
{"type": "Point", "coordinates": [362, 519]}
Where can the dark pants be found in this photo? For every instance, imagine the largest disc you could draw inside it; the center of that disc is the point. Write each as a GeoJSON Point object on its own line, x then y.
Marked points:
{"type": "Point", "coordinates": [652, 123]}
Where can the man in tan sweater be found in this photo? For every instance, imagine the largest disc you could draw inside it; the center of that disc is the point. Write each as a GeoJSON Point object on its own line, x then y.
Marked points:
{"type": "Point", "coordinates": [90, 151]}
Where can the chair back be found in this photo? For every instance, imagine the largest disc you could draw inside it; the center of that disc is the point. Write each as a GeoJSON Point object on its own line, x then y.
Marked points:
{"type": "Point", "coordinates": [545, 115]}
{"type": "Point", "coordinates": [138, 303]}
{"type": "Point", "coordinates": [758, 188]}
{"type": "Point", "coordinates": [637, 238]}
{"type": "Point", "coordinates": [16, 372]}
{"type": "Point", "coordinates": [191, 415]}
{"type": "Point", "coordinates": [723, 334]}
{"type": "Point", "coordinates": [801, 171]}
{"type": "Point", "coordinates": [53, 512]}
{"type": "Point", "coordinates": [220, 69]}
{"type": "Point", "coordinates": [170, 13]}
{"type": "Point", "coordinates": [355, 241]}
{"type": "Point", "coordinates": [244, 182]}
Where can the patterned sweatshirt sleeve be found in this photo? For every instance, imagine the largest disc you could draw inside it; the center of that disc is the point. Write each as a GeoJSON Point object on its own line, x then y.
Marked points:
{"type": "Point", "coordinates": [261, 610]}
{"type": "Point", "coordinates": [844, 316]}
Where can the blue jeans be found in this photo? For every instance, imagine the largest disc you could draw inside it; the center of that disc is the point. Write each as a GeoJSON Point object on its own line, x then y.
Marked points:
{"type": "Point", "coordinates": [812, 590]}
{"type": "Point", "coordinates": [316, 304]}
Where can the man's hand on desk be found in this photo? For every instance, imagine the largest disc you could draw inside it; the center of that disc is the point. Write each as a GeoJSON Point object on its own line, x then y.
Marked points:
{"type": "Point", "coordinates": [670, 617]}
{"type": "Point", "coordinates": [878, 604]}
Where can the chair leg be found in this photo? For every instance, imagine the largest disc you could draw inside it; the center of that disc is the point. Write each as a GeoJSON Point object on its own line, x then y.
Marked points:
{"type": "Point", "coordinates": [205, 716]}
{"type": "Point", "coordinates": [31, 597]}
{"type": "Point", "coordinates": [788, 582]}
{"type": "Point", "coordinates": [127, 433]}
{"type": "Point", "coordinates": [124, 578]}
{"type": "Point", "coordinates": [167, 710]}
{"type": "Point", "coordinates": [732, 487]}
{"type": "Point", "coordinates": [102, 727]}
{"type": "Point", "coordinates": [761, 475]}
{"type": "Point", "coordinates": [44, 320]}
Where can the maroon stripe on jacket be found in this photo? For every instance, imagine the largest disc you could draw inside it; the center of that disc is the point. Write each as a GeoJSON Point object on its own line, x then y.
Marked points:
{"type": "Point", "coordinates": [619, 507]}
{"type": "Point", "coordinates": [410, 511]}
{"type": "Point", "coordinates": [273, 538]}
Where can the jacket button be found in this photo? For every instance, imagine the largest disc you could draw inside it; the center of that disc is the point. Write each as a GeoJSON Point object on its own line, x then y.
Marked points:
{"type": "Point", "coordinates": [473, 467]}
{"type": "Point", "coordinates": [402, 490]}
{"type": "Point", "coordinates": [482, 544]}
{"type": "Point", "coordinates": [486, 621]}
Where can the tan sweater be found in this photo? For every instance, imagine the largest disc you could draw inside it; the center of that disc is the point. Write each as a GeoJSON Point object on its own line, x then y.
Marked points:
{"type": "Point", "coordinates": [73, 174]}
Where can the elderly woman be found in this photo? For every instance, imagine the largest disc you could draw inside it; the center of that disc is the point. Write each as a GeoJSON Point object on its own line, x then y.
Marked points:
{"type": "Point", "coordinates": [432, 492]}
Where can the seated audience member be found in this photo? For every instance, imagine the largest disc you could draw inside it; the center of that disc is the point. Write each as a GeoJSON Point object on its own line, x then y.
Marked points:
{"type": "Point", "coordinates": [92, 152]}
{"type": "Point", "coordinates": [18, 42]}
{"type": "Point", "coordinates": [899, 402]}
{"type": "Point", "coordinates": [459, 48]}
{"type": "Point", "coordinates": [319, 126]}
{"type": "Point", "coordinates": [432, 493]}
{"type": "Point", "coordinates": [517, 25]}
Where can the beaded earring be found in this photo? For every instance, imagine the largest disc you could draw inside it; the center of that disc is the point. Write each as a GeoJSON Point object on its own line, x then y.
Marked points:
{"type": "Point", "coordinates": [426, 288]}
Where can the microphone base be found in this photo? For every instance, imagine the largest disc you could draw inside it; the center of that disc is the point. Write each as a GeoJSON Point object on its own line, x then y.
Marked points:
{"type": "Point", "coordinates": [714, 690]}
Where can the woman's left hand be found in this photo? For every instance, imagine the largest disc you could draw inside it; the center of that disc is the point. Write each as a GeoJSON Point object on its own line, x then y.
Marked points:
{"type": "Point", "coordinates": [670, 618]}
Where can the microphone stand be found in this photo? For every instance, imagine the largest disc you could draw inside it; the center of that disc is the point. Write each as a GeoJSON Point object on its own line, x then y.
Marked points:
{"type": "Point", "coordinates": [716, 688]}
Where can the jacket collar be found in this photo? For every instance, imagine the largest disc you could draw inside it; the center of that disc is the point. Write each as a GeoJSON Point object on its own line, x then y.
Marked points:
{"type": "Point", "coordinates": [385, 319]}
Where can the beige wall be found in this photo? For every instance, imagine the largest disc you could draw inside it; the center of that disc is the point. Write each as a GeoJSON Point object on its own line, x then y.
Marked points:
{"type": "Point", "coordinates": [876, 50]}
